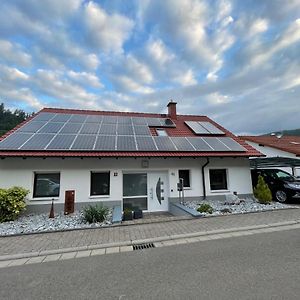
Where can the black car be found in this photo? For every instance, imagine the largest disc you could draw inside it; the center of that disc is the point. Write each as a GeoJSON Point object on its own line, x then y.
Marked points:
{"type": "Point", "coordinates": [283, 185]}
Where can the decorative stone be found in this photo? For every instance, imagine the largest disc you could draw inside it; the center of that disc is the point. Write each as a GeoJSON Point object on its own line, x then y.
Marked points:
{"type": "Point", "coordinates": [40, 222]}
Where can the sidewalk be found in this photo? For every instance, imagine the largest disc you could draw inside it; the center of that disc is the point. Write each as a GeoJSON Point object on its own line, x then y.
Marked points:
{"type": "Point", "coordinates": [126, 235]}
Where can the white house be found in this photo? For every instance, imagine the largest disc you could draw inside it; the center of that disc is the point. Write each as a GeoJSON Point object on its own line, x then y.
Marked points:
{"type": "Point", "coordinates": [120, 158]}
{"type": "Point", "coordinates": [278, 147]}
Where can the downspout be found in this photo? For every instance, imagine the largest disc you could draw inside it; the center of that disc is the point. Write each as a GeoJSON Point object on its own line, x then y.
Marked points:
{"type": "Point", "coordinates": [203, 178]}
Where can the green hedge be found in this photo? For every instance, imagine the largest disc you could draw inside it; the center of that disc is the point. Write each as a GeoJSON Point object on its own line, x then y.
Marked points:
{"type": "Point", "coordinates": [12, 203]}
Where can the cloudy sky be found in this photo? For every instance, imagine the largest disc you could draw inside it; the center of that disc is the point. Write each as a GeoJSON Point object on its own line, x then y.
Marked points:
{"type": "Point", "coordinates": [236, 61]}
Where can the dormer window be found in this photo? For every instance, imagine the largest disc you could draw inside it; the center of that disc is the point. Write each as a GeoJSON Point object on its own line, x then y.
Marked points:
{"type": "Point", "coordinates": [161, 132]}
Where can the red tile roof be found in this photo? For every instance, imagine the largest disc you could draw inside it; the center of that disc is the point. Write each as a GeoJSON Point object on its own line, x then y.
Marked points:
{"type": "Point", "coordinates": [181, 130]}
{"type": "Point", "coordinates": [289, 144]}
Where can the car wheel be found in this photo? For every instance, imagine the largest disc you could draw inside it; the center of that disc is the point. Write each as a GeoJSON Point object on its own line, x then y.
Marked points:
{"type": "Point", "coordinates": [281, 196]}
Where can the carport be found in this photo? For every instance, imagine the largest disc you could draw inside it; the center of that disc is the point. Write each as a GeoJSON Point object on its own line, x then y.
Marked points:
{"type": "Point", "coordinates": [273, 162]}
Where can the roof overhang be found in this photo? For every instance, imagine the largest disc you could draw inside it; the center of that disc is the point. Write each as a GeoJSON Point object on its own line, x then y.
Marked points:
{"type": "Point", "coordinates": [270, 162]}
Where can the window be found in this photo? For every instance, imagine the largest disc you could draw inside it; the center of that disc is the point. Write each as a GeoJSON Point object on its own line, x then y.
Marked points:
{"type": "Point", "coordinates": [185, 175]}
{"type": "Point", "coordinates": [218, 179]}
{"type": "Point", "coordinates": [100, 183]}
{"type": "Point", "coordinates": [135, 191]}
{"type": "Point", "coordinates": [46, 185]}
{"type": "Point", "coordinates": [161, 132]}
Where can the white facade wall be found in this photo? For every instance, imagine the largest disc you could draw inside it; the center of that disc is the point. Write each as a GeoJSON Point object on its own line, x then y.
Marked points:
{"type": "Point", "coordinates": [273, 152]}
{"type": "Point", "coordinates": [75, 175]}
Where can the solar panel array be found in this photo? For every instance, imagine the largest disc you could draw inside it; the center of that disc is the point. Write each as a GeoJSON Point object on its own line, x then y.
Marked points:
{"type": "Point", "coordinates": [76, 132]}
{"type": "Point", "coordinates": [205, 128]}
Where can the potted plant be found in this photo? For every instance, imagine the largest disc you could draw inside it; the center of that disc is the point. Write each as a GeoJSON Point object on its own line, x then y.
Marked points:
{"type": "Point", "coordinates": [127, 214]}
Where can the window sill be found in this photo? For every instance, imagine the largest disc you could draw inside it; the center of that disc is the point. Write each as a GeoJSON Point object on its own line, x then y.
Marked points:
{"type": "Point", "coordinates": [187, 188]}
{"type": "Point", "coordinates": [219, 191]}
{"type": "Point", "coordinates": [44, 199]}
{"type": "Point", "coordinates": [99, 196]}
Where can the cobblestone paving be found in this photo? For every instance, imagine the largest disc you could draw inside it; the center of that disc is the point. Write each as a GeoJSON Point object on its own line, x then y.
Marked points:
{"type": "Point", "coordinates": [87, 237]}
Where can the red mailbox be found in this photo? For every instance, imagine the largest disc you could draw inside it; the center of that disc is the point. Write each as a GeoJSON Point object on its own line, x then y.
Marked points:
{"type": "Point", "coordinates": [69, 202]}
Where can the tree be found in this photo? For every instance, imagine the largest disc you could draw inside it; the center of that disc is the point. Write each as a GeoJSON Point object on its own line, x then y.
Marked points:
{"type": "Point", "coordinates": [9, 119]}
{"type": "Point", "coordinates": [262, 191]}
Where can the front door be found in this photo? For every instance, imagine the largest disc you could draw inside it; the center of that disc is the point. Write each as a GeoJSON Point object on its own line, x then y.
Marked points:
{"type": "Point", "coordinates": [157, 191]}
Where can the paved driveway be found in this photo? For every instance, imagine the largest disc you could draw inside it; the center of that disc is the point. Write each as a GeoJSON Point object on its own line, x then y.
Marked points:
{"type": "Point", "coordinates": [88, 237]}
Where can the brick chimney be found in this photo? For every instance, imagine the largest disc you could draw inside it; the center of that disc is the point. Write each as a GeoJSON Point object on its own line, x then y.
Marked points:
{"type": "Point", "coordinates": [172, 110]}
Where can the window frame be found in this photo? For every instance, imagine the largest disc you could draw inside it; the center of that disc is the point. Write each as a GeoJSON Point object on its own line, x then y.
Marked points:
{"type": "Point", "coordinates": [190, 179]}
{"type": "Point", "coordinates": [161, 130]}
{"type": "Point", "coordinates": [109, 184]}
{"type": "Point", "coordinates": [226, 178]}
{"type": "Point", "coordinates": [46, 197]}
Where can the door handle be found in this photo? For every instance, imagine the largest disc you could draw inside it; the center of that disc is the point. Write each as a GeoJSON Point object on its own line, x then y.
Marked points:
{"type": "Point", "coordinates": [151, 193]}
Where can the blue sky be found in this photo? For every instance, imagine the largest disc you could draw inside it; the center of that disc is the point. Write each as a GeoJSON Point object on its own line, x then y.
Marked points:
{"type": "Point", "coordinates": [236, 61]}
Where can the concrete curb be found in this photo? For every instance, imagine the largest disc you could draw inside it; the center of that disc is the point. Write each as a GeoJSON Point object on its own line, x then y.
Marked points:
{"type": "Point", "coordinates": [150, 240]}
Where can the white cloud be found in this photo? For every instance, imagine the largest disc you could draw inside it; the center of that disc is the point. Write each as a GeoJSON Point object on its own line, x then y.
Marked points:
{"type": "Point", "coordinates": [13, 53]}
{"type": "Point", "coordinates": [157, 50]}
{"type": "Point", "coordinates": [127, 84]}
{"type": "Point", "coordinates": [12, 74]}
{"type": "Point", "coordinates": [287, 38]}
{"type": "Point", "coordinates": [186, 79]}
{"type": "Point", "coordinates": [258, 26]}
{"type": "Point", "coordinates": [84, 78]}
{"type": "Point", "coordinates": [106, 32]}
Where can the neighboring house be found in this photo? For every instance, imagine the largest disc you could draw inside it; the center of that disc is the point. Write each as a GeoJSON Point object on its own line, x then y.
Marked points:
{"type": "Point", "coordinates": [281, 147]}
{"type": "Point", "coordinates": [123, 158]}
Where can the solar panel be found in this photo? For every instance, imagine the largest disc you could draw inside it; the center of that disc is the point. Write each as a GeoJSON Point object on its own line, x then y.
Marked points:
{"type": "Point", "coordinates": [124, 129]}
{"type": "Point", "coordinates": [199, 144]}
{"type": "Point", "coordinates": [154, 122]}
{"type": "Point", "coordinates": [182, 144]}
{"type": "Point", "coordinates": [139, 121]}
{"type": "Point", "coordinates": [90, 128]}
{"type": "Point", "coordinates": [44, 116]}
{"type": "Point", "coordinates": [31, 126]}
{"type": "Point", "coordinates": [51, 128]}
{"type": "Point", "coordinates": [108, 129]}
{"type": "Point", "coordinates": [126, 143]}
{"type": "Point", "coordinates": [211, 128]}
{"type": "Point", "coordinates": [105, 142]}
{"type": "Point", "coordinates": [84, 142]}
{"type": "Point", "coordinates": [164, 143]}
{"type": "Point", "coordinates": [109, 119]}
{"type": "Point", "coordinates": [124, 120]}
{"type": "Point", "coordinates": [61, 142]}
{"type": "Point", "coordinates": [14, 141]}
{"type": "Point", "coordinates": [145, 143]}
{"type": "Point", "coordinates": [232, 144]}
{"type": "Point", "coordinates": [216, 144]}
{"type": "Point", "coordinates": [142, 130]}
{"type": "Point", "coordinates": [94, 119]}
{"type": "Point", "coordinates": [71, 128]}
{"type": "Point", "coordinates": [196, 127]}
{"type": "Point", "coordinates": [61, 118]}
{"type": "Point", "coordinates": [77, 118]}
{"type": "Point", "coordinates": [38, 142]}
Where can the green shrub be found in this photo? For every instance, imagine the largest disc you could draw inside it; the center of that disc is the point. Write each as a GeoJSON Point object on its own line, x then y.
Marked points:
{"type": "Point", "coordinates": [205, 208]}
{"type": "Point", "coordinates": [95, 213]}
{"type": "Point", "coordinates": [12, 203]}
{"type": "Point", "coordinates": [262, 191]}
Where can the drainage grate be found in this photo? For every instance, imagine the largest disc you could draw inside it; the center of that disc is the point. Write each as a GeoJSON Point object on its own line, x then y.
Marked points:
{"type": "Point", "coordinates": [143, 246]}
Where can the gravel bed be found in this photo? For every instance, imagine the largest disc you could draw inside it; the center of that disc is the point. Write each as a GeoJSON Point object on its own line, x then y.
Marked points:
{"type": "Point", "coordinates": [41, 222]}
{"type": "Point", "coordinates": [223, 207]}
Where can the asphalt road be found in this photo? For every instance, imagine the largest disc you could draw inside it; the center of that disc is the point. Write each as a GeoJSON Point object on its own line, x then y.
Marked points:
{"type": "Point", "coordinates": [261, 266]}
